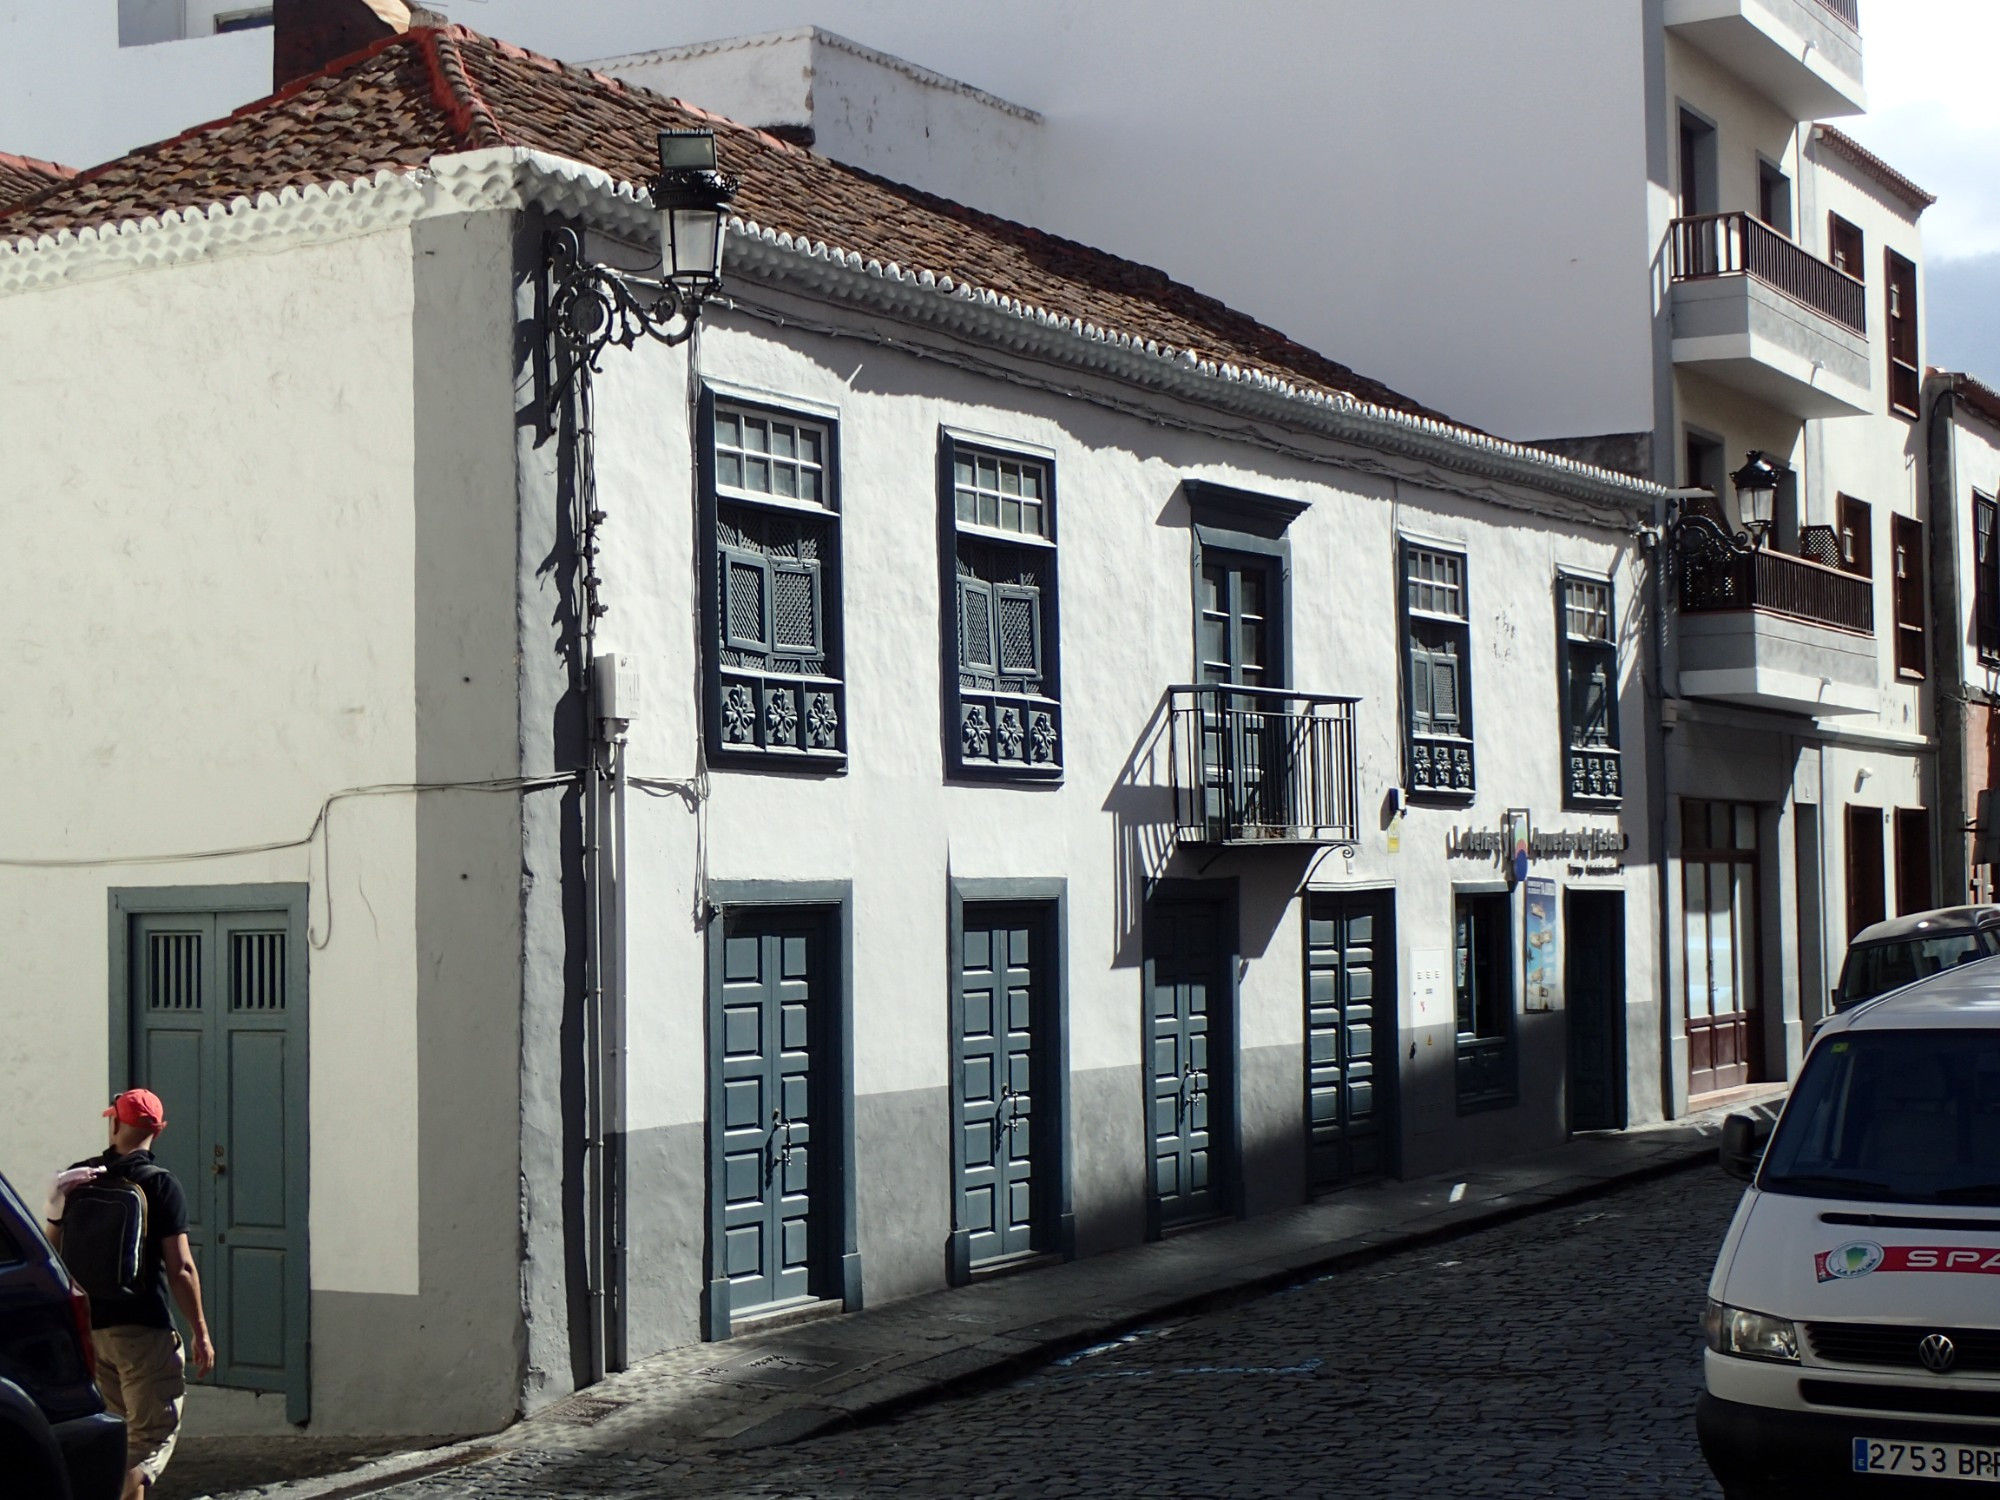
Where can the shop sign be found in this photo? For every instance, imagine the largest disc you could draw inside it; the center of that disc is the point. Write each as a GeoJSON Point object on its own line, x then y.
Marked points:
{"type": "Point", "coordinates": [1587, 851]}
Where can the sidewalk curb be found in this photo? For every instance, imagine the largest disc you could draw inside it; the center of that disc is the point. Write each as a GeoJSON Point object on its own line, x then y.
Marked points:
{"type": "Point", "coordinates": [782, 1430]}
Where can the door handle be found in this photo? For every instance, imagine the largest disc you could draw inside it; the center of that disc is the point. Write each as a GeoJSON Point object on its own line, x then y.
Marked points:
{"type": "Point", "coordinates": [220, 1166]}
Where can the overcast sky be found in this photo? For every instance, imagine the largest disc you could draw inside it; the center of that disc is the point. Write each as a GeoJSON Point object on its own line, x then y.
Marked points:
{"type": "Point", "coordinates": [1931, 67]}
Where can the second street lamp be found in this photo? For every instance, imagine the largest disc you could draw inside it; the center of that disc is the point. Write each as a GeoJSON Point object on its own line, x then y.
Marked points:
{"type": "Point", "coordinates": [1757, 494]}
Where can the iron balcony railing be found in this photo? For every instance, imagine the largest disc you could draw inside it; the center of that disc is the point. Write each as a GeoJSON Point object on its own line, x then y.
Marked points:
{"type": "Point", "coordinates": [1739, 244]}
{"type": "Point", "coordinates": [1778, 583]}
{"type": "Point", "coordinates": [1848, 11]}
{"type": "Point", "coordinates": [1263, 765]}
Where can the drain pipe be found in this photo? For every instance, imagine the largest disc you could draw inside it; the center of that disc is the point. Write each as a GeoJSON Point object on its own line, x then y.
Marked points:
{"type": "Point", "coordinates": [1950, 695]}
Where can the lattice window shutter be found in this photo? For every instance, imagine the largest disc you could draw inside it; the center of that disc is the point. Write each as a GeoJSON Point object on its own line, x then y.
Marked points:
{"type": "Point", "coordinates": [1444, 692]}
{"type": "Point", "coordinates": [1018, 612]}
{"type": "Point", "coordinates": [797, 628]}
{"type": "Point", "coordinates": [1420, 688]}
{"type": "Point", "coordinates": [975, 626]}
{"type": "Point", "coordinates": [746, 601]}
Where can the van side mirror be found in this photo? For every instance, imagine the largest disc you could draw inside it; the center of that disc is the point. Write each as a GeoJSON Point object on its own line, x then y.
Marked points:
{"type": "Point", "coordinates": [1744, 1137]}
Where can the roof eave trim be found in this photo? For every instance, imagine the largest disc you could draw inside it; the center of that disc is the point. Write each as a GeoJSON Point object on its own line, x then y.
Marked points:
{"type": "Point", "coordinates": [922, 296]}
{"type": "Point", "coordinates": [513, 177]}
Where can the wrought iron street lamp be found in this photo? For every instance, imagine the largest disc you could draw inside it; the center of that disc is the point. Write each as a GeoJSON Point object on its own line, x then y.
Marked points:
{"type": "Point", "coordinates": [591, 307]}
{"type": "Point", "coordinates": [1757, 494]}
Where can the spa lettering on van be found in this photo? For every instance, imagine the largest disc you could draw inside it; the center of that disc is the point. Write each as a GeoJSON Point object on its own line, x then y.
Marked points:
{"type": "Point", "coordinates": [1864, 1257]}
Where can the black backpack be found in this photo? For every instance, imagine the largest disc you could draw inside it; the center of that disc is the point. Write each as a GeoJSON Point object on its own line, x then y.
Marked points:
{"type": "Point", "coordinates": [104, 1232]}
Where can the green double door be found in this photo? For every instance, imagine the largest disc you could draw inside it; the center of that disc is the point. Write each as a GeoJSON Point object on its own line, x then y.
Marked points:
{"type": "Point", "coordinates": [217, 1011]}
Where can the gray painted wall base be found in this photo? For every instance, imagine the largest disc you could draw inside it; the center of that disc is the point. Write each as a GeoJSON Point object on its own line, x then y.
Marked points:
{"type": "Point", "coordinates": [903, 1141]}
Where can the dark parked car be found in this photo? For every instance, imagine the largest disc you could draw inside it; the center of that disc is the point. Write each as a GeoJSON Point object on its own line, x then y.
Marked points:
{"type": "Point", "coordinates": [1905, 949]}
{"type": "Point", "coordinates": [56, 1439]}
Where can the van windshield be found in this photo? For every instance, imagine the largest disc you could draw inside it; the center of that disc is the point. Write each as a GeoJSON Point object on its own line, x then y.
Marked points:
{"type": "Point", "coordinates": [1881, 967]}
{"type": "Point", "coordinates": [1893, 1116]}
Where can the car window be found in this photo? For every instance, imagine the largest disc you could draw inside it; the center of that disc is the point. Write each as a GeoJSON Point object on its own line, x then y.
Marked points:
{"type": "Point", "coordinates": [1893, 1116]}
{"type": "Point", "coordinates": [1881, 967]}
{"type": "Point", "coordinates": [10, 1249]}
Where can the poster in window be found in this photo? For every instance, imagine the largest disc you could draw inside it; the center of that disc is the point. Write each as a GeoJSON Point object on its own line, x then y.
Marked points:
{"type": "Point", "coordinates": [1538, 924]}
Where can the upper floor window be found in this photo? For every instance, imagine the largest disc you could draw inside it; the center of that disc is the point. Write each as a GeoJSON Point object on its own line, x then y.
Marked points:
{"type": "Point", "coordinates": [1774, 197]}
{"type": "Point", "coordinates": [1907, 538]}
{"type": "Point", "coordinates": [1843, 247]}
{"type": "Point", "coordinates": [1986, 576]}
{"type": "Point", "coordinates": [771, 586]}
{"type": "Point", "coordinates": [1905, 379]}
{"type": "Point", "coordinates": [1857, 537]}
{"type": "Point", "coordinates": [1437, 687]}
{"type": "Point", "coordinates": [1004, 713]}
{"type": "Point", "coordinates": [1588, 663]}
{"type": "Point", "coordinates": [244, 20]}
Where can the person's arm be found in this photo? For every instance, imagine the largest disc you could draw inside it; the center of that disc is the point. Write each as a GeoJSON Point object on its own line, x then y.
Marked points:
{"type": "Point", "coordinates": [59, 1186]}
{"type": "Point", "coordinates": [185, 1282]}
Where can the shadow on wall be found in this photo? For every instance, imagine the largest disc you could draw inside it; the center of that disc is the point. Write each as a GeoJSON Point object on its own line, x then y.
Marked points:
{"type": "Point", "coordinates": [1141, 804]}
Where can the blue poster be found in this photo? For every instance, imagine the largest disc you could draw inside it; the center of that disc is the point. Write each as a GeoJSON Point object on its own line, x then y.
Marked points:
{"type": "Point", "coordinates": [1538, 925]}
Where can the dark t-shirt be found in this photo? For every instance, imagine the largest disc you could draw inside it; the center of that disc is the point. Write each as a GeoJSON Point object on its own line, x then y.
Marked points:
{"type": "Point", "coordinates": [166, 1216]}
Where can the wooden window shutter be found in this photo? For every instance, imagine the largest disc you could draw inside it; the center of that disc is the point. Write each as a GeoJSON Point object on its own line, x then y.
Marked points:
{"type": "Point", "coordinates": [1444, 691]}
{"type": "Point", "coordinates": [1420, 688]}
{"type": "Point", "coordinates": [975, 626]}
{"type": "Point", "coordinates": [746, 600]}
{"type": "Point", "coordinates": [1018, 616]}
{"type": "Point", "coordinates": [797, 626]}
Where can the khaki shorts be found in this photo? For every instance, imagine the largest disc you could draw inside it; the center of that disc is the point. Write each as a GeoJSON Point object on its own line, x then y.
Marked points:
{"type": "Point", "coordinates": [139, 1370]}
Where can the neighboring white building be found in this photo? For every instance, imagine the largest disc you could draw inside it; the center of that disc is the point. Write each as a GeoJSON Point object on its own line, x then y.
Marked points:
{"type": "Point", "coordinates": [1962, 429]}
{"type": "Point", "coordinates": [1073, 792]}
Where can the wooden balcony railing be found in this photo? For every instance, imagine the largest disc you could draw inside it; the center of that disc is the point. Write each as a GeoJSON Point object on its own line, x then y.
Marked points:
{"type": "Point", "coordinates": [1711, 245]}
{"type": "Point", "coordinates": [1778, 584]}
{"type": "Point", "coordinates": [1263, 765]}
{"type": "Point", "coordinates": [1848, 11]}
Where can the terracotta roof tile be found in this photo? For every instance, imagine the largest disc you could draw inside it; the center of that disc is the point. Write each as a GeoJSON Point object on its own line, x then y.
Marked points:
{"type": "Point", "coordinates": [22, 177]}
{"type": "Point", "coordinates": [438, 90]}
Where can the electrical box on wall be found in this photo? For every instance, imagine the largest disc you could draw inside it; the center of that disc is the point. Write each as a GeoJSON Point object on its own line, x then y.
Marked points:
{"type": "Point", "coordinates": [614, 687]}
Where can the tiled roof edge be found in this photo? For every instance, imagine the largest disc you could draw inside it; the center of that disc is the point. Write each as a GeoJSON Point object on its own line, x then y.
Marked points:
{"type": "Point", "coordinates": [498, 178]}
{"type": "Point", "coordinates": [1844, 145]}
{"type": "Point", "coordinates": [55, 171]}
{"type": "Point", "coordinates": [923, 296]}
{"type": "Point", "coordinates": [1976, 393]}
{"type": "Point", "coordinates": [820, 34]}
{"type": "Point", "coordinates": [494, 178]}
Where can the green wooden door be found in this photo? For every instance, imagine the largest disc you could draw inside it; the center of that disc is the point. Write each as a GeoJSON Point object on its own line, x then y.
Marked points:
{"type": "Point", "coordinates": [1191, 1082]}
{"type": "Point", "coordinates": [773, 978]}
{"type": "Point", "coordinates": [218, 1032]}
{"type": "Point", "coordinates": [1350, 1038]}
{"type": "Point", "coordinates": [1001, 963]}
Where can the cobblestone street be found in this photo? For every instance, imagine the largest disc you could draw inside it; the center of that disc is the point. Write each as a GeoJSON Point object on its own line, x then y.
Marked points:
{"type": "Point", "coordinates": [1556, 1356]}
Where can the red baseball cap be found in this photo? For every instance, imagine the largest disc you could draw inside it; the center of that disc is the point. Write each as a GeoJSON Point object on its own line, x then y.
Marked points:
{"type": "Point", "coordinates": [138, 1107]}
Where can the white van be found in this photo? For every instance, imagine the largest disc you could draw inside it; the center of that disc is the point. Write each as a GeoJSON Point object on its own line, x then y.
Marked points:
{"type": "Point", "coordinates": [1853, 1321]}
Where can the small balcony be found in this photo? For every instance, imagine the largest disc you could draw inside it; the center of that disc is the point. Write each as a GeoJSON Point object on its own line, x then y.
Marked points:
{"type": "Point", "coordinates": [1263, 766]}
{"type": "Point", "coordinates": [1803, 54]}
{"type": "Point", "coordinates": [1753, 310]}
{"type": "Point", "coordinates": [1769, 630]}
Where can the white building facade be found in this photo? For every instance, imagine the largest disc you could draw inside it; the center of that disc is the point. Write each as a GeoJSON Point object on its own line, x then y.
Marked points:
{"type": "Point", "coordinates": [1075, 765]}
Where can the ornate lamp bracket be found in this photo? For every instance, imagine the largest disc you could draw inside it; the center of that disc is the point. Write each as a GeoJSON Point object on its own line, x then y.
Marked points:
{"type": "Point", "coordinates": [592, 308]}
{"type": "Point", "coordinates": [1693, 537]}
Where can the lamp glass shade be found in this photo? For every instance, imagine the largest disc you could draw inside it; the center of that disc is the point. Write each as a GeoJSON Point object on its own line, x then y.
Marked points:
{"type": "Point", "coordinates": [691, 245]}
{"type": "Point", "coordinates": [1756, 490]}
{"type": "Point", "coordinates": [687, 150]}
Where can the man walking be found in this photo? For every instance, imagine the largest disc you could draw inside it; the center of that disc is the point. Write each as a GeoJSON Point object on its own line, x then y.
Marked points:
{"type": "Point", "coordinates": [139, 1355]}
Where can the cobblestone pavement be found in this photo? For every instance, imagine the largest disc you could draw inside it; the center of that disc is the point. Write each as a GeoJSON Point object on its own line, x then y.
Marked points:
{"type": "Point", "coordinates": [1556, 1356]}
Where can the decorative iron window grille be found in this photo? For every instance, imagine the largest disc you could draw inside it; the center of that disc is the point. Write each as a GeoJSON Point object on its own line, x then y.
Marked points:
{"type": "Point", "coordinates": [1003, 704]}
{"type": "Point", "coordinates": [772, 588]}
